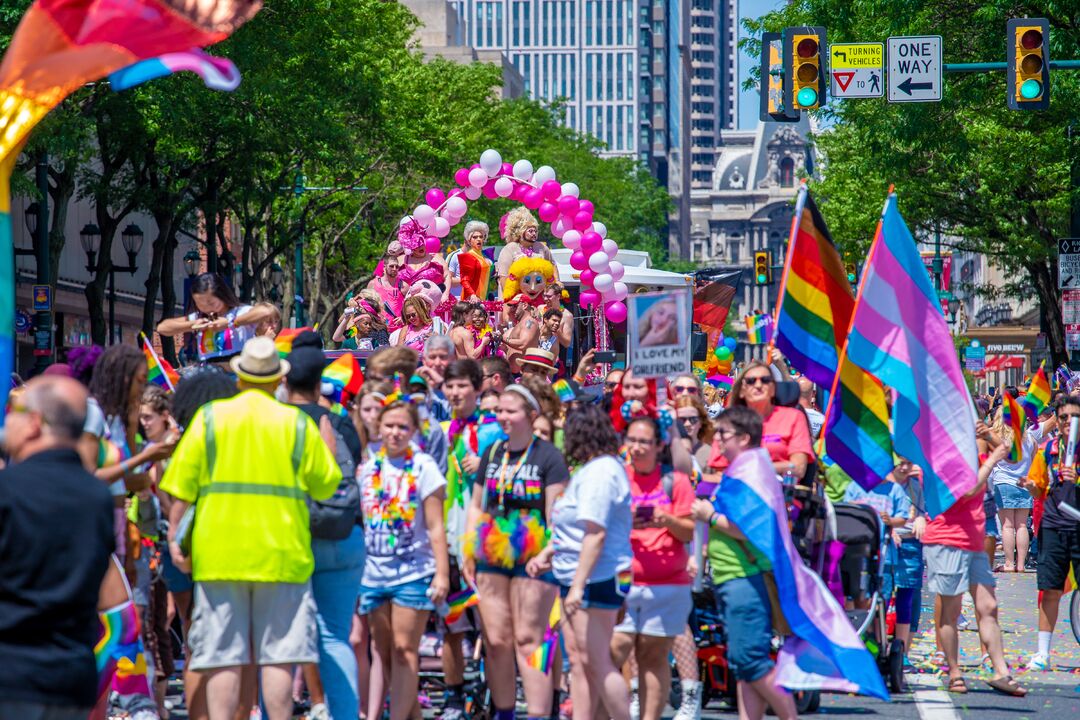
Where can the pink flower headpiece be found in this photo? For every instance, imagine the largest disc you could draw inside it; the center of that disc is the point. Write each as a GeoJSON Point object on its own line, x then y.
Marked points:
{"type": "Point", "coordinates": [411, 235]}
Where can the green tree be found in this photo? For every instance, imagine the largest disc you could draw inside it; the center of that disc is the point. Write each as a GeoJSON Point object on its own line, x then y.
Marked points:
{"type": "Point", "coordinates": [995, 179]}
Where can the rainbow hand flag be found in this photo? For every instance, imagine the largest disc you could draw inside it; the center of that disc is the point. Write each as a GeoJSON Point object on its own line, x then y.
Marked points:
{"type": "Point", "coordinates": [158, 371]}
{"type": "Point", "coordinates": [1037, 398]}
{"type": "Point", "coordinates": [345, 376]}
{"type": "Point", "coordinates": [544, 655]}
{"type": "Point", "coordinates": [758, 328]}
{"type": "Point", "coordinates": [284, 340]}
{"type": "Point", "coordinates": [460, 602]}
{"type": "Point", "coordinates": [563, 390]}
{"type": "Point", "coordinates": [1011, 415]}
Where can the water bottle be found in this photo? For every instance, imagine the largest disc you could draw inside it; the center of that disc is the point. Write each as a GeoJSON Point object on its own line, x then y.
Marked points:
{"type": "Point", "coordinates": [442, 608]}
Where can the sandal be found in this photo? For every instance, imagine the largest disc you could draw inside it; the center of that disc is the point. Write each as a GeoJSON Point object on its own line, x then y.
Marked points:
{"type": "Point", "coordinates": [1007, 686]}
{"type": "Point", "coordinates": [958, 686]}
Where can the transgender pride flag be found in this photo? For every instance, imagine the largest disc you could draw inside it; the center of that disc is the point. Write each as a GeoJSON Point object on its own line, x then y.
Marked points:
{"type": "Point", "coordinates": [899, 335]}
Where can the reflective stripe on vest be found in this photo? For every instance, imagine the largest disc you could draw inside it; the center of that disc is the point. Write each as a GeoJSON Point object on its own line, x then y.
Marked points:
{"type": "Point", "coordinates": [242, 488]}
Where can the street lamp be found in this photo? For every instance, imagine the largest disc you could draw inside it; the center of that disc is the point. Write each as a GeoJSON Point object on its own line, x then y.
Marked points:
{"type": "Point", "coordinates": [33, 213]}
{"type": "Point", "coordinates": [132, 239]}
{"type": "Point", "coordinates": [277, 280]}
{"type": "Point", "coordinates": [191, 263]}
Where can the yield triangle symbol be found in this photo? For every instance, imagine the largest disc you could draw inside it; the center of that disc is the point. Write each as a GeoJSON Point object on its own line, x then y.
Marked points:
{"type": "Point", "coordinates": [843, 78]}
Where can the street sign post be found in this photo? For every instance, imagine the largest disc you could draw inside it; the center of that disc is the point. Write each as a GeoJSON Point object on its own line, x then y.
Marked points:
{"type": "Point", "coordinates": [857, 69]}
{"type": "Point", "coordinates": [915, 68]}
{"type": "Point", "coordinates": [1068, 263]}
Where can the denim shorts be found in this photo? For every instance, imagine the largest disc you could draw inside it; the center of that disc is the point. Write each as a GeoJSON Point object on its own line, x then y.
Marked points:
{"type": "Point", "coordinates": [175, 580]}
{"type": "Point", "coordinates": [746, 614]}
{"type": "Point", "coordinates": [1010, 497]}
{"type": "Point", "coordinates": [518, 571]}
{"type": "Point", "coordinates": [602, 595]}
{"type": "Point", "coordinates": [908, 569]}
{"type": "Point", "coordinates": [412, 594]}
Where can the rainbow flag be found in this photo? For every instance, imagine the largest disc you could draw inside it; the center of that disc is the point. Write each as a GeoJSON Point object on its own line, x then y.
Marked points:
{"type": "Point", "coordinates": [284, 340]}
{"type": "Point", "coordinates": [459, 602]}
{"type": "Point", "coordinates": [344, 374]}
{"type": "Point", "coordinates": [119, 653]}
{"type": "Point", "coordinates": [899, 335]}
{"type": "Point", "coordinates": [815, 309]}
{"type": "Point", "coordinates": [1037, 398]}
{"type": "Point", "coordinates": [563, 390]}
{"type": "Point", "coordinates": [158, 371]}
{"type": "Point", "coordinates": [61, 45]}
{"type": "Point", "coordinates": [1011, 415]}
{"type": "Point", "coordinates": [823, 650]}
{"type": "Point", "coordinates": [544, 655]}
{"type": "Point", "coordinates": [758, 328]}
{"type": "Point", "coordinates": [110, 453]}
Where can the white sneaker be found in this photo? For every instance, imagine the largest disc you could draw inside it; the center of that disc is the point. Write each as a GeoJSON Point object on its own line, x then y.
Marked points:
{"type": "Point", "coordinates": [635, 703]}
{"type": "Point", "coordinates": [1039, 662]}
{"type": "Point", "coordinates": [319, 711]}
{"type": "Point", "coordinates": [690, 707]}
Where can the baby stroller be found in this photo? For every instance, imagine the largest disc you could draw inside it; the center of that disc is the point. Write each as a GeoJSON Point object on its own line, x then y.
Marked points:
{"type": "Point", "coordinates": [858, 527]}
{"type": "Point", "coordinates": [478, 703]}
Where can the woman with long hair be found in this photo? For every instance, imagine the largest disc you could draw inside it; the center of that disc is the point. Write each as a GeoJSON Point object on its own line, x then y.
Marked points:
{"type": "Point", "coordinates": [591, 557]}
{"type": "Point", "coordinates": [419, 324]}
{"type": "Point", "coordinates": [691, 414]}
{"type": "Point", "coordinates": [221, 324]}
{"type": "Point", "coordinates": [516, 484]}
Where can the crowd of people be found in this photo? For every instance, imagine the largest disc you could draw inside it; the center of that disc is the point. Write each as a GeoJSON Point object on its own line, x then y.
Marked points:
{"type": "Point", "coordinates": [307, 544]}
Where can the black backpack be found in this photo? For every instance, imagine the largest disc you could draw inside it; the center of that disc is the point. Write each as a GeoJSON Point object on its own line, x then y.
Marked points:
{"type": "Point", "coordinates": [335, 517]}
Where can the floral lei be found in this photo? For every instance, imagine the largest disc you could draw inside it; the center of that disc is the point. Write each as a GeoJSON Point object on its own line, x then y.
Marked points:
{"type": "Point", "coordinates": [389, 509]}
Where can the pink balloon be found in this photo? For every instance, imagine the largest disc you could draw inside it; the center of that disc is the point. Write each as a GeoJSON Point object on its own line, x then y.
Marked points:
{"type": "Point", "coordinates": [452, 219]}
{"type": "Point", "coordinates": [590, 242]}
{"type": "Point", "coordinates": [616, 269]}
{"type": "Point", "coordinates": [473, 193]}
{"type": "Point", "coordinates": [548, 212]}
{"type": "Point", "coordinates": [609, 247]}
{"type": "Point", "coordinates": [586, 206]}
{"type": "Point", "coordinates": [455, 206]}
{"type": "Point", "coordinates": [504, 186]}
{"type": "Point", "coordinates": [619, 290]}
{"type": "Point", "coordinates": [559, 228]}
{"type": "Point", "coordinates": [578, 261]}
{"type": "Point", "coordinates": [461, 177]}
{"type": "Point", "coordinates": [598, 262]}
{"type": "Point", "coordinates": [571, 239]}
{"type": "Point", "coordinates": [477, 177]}
{"type": "Point", "coordinates": [588, 277]}
{"type": "Point", "coordinates": [489, 190]}
{"type": "Point", "coordinates": [588, 297]}
{"type": "Point", "coordinates": [568, 205]}
{"type": "Point", "coordinates": [551, 190]}
{"type": "Point", "coordinates": [615, 312]}
{"type": "Point", "coordinates": [440, 227]}
{"type": "Point", "coordinates": [507, 169]}
{"type": "Point", "coordinates": [432, 244]}
{"type": "Point", "coordinates": [519, 191]}
{"type": "Point", "coordinates": [533, 198]}
{"type": "Point", "coordinates": [582, 221]}
{"type": "Point", "coordinates": [435, 197]}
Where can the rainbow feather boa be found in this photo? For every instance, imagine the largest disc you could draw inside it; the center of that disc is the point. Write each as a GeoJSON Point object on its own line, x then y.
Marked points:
{"type": "Point", "coordinates": [504, 542]}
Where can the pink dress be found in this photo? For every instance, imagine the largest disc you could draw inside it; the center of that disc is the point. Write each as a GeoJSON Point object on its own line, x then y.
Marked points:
{"type": "Point", "coordinates": [430, 270]}
{"type": "Point", "coordinates": [392, 299]}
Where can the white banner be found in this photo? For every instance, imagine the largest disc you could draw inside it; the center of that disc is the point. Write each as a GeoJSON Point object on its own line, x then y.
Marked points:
{"type": "Point", "coordinates": [659, 333]}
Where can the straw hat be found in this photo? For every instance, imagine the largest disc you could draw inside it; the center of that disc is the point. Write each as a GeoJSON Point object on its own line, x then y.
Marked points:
{"type": "Point", "coordinates": [259, 362]}
{"type": "Point", "coordinates": [539, 358]}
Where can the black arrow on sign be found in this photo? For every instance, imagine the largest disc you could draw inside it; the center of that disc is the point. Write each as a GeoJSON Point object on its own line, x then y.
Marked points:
{"type": "Point", "coordinates": [907, 86]}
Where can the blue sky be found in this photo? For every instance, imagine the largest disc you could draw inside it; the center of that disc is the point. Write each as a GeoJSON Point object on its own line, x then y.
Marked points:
{"type": "Point", "coordinates": [748, 100]}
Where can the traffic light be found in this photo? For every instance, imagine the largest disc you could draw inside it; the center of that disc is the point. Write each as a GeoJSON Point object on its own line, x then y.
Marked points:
{"type": "Point", "coordinates": [773, 107]}
{"type": "Point", "coordinates": [1028, 67]}
{"type": "Point", "coordinates": [805, 79]}
{"type": "Point", "coordinates": [852, 273]}
{"type": "Point", "coordinates": [762, 267]}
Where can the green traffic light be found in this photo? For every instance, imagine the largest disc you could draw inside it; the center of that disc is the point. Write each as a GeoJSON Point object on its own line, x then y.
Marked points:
{"type": "Point", "coordinates": [1030, 89]}
{"type": "Point", "coordinates": [850, 278]}
{"type": "Point", "coordinates": [807, 97]}
{"type": "Point", "coordinates": [761, 279]}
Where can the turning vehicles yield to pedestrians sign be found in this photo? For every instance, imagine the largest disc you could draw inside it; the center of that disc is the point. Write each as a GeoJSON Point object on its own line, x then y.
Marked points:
{"type": "Point", "coordinates": [857, 70]}
{"type": "Point", "coordinates": [915, 69]}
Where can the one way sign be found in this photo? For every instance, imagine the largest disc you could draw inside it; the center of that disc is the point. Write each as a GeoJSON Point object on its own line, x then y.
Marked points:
{"type": "Point", "coordinates": [915, 68]}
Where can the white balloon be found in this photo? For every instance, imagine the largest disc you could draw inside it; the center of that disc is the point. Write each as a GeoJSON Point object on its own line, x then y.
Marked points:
{"type": "Point", "coordinates": [504, 186]}
{"type": "Point", "coordinates": [599, 263]}
{"type": "Point", "coordinates": [478, 177]}
{"type": "Point", "coordinates": [603, 283]}
{"type": "Point", "coordinates": [616, 269]}
{"type": "Point", "coordinates": [598, 227]}
{"type": "Point", "coordinates": [608, 296]}
{"type": "Point", "coordinates": [455, 206]}
{"type": "Point", "coordinates": [405, 219]}
{"type": "Point", "coordinates": [572, 239]}
{"type": "Point", "coordinates": [441, 227]}
{"type": "Point", "coordinates": [571, 189]}
{"type": "Point", "coordinates": [452, 219]}
{"type": "Point", "coordinates": [424, 214]}
{"type": "Point", "coordinates": [491, 162]}
{"type": "Point", "coordinates": [560, 227]}
{"type": "Point", "coordinates": [523, 170]}
{"type": "Point", "coordinates": [610, 248]}
{"type": "Point", "coordinates": [620, 290]}
{"type": "Point", "coordinates": [472, 192]}
{"type": "Point", "coordinates": [543, 174]}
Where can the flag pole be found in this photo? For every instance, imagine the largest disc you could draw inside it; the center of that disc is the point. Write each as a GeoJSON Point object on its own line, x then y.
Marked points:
{"type": "Point", "coordinates": [796, 220]}
{"type": "Point", "coordinates": [150, 348]}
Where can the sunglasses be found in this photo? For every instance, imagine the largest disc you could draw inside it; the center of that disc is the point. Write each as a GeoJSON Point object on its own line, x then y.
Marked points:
{"type": "Point", "coordinates": [690, 420]}
{"type": "Point", "coordinates": [611, 385]}
{"type": "Point", "coordinates": [684, 389]}
{"type": "Point", "coordinates": [761, 380]}
{"type": "Point", "coordinates": [726, 435]}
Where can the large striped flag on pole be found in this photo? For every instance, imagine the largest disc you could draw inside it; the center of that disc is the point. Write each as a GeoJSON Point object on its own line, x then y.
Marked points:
{"type": "Point", "coordinates": [899, 335]}
{"type": "Point", "coordinates": [813, 315]}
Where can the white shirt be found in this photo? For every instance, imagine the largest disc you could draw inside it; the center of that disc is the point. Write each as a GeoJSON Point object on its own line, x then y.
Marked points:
{"type": "Point", "coordinates": [599, 492]}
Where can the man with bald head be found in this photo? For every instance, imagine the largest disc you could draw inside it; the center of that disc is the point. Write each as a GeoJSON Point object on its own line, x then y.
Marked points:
{"type": "Point", "coordinates": [808, 401]}
{"type": "Point", "coordinates": [56, 534]}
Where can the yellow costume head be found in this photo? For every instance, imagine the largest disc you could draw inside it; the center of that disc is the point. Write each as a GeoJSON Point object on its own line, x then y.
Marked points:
{"type": "Point", "coordinates": [529, 275]}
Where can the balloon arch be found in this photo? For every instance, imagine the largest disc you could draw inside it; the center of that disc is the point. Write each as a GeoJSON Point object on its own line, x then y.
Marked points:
{"type": "Point", "coordinates": [558, 204]}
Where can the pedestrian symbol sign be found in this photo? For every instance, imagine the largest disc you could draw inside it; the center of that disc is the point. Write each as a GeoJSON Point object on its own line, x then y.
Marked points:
{"type": "Point", "coordinates": [857, 69]}
{"type": "Point", "coordinates": [915, 69]}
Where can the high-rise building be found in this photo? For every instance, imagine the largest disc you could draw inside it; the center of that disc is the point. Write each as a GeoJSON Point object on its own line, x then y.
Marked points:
{"type": "Point", "coordinates": [714, 88]}
{"type": "Point", "coordinates": [583, 53]}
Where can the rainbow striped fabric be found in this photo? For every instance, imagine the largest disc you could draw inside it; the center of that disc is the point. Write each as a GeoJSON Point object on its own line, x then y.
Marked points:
{"type": "Point", "coordinates": [284, 340]}
{"type": "Point", "coordinates": [119, 653]}
{"type": "Point", "coordinates": [563, 390]}
{"type": "Point", "coordinates": [1013, 418]}
{"type": "Point", "coordinates": [758, 328]}
{"type": "Point", "coordinates": [345, 376]}
{"type": "Point", "coordinates": [158, 371]}
{"type": "Point", "coordinates": [1037, 398]}
{"type": "Point", "coordinates": [899, 335]}
{"type": "Point", "coordinates": [816, 305]}
{"type": "Point", "coordinates": [217, 73]}
{"type": "Point", "coordinates": [544, 655]}
{"type": "Point", "coordinates": [459, 602]}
